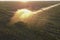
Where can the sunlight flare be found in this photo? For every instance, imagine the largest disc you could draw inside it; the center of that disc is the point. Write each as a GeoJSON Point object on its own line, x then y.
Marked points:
{"type": "Point", "coordinates": [23, 0]}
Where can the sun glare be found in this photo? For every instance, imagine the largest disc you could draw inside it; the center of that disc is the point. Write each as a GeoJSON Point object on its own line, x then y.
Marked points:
{"type": "Point", "coordinates": [24, 0]}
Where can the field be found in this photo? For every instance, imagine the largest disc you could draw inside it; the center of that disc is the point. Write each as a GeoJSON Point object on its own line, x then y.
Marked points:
{"type": "Point", "coordinates": [44, 26]}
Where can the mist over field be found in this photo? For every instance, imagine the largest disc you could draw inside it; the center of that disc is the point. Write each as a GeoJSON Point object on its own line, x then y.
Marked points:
{"type": "Point", "coordinates": [42, 26]}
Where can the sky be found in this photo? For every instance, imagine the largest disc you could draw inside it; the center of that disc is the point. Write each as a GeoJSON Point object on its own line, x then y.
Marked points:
{"type": "Point", "coordinates": [30, 0]}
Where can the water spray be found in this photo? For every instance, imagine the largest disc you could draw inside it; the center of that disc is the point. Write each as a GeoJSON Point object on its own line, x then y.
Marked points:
{"type": "Point", "coordinates": [16, 18]}
{"type": "Point", "coordinates": [46, 8]}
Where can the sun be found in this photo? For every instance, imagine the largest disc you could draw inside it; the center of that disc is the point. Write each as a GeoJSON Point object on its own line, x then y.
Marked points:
{"type": "Point", "coordinates": [24, 0]}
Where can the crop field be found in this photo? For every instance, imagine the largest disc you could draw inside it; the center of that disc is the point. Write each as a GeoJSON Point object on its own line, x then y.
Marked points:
{"type": "Point", "coordinates": [42, 26]}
